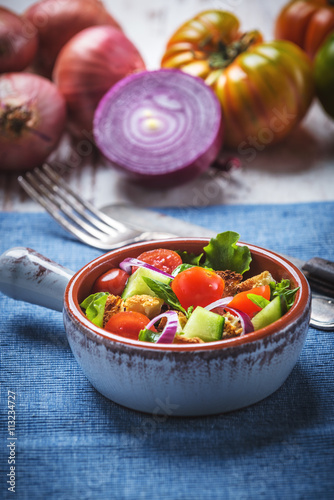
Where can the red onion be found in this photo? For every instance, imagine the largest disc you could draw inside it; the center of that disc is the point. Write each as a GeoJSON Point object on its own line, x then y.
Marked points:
{"type": "Point", "coordinates": [128, 263]}
{"type": "Point", "coordinates": [57, 21]}
{"type": "Point", "coordinates": [18, 42]}
{"type": "Point", "coordinates": [245, 321]}
{"type": "Point", "coordinates": [32, 119]}
{"type": "Point", "coordinates": [168, 333]}
{"type": "Point", "coordinates": [161, 127]}
{"type": "Point", "coordinates": [89, 64]}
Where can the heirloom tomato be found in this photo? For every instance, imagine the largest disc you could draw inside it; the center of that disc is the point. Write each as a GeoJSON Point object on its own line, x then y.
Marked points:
{"type": "Point", "coordinates": [306, 23]}
{"type": "Point", "coordinates": [324, 74]}
{"type": "Point", "coordinates": [264, 88]}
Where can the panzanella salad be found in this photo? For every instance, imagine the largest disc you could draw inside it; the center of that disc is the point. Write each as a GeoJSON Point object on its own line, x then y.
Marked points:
{"type": "Point", "coordinates": [166, 296]}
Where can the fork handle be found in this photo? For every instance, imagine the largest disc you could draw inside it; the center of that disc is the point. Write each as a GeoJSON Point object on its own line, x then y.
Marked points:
{"type": "Point", "coordinates": [320, 269]}
{"type": "Point", "coordinates": [28, 276]}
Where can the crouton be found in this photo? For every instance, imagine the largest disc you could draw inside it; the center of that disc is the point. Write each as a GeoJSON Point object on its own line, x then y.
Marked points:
{"type": "Point", "coordinates": [261, 279]}
{"type": "Point", "coordinates": [113, 306]}
{"type": "Point", "coordinates": [232, 326]}
{"type": "Point", "coordinates": [144, 304]}
{"type": "Point", "coordinates": [181, 339]}
{"type": "Point", "coordinates": [232, 280]}
{"type": "Point", "coordinates": [182, 321]}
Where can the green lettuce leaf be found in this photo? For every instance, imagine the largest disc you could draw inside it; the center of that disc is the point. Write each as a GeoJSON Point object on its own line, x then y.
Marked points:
{"type": "Point", "coordinates": [94, 306]}
{"type": "Point", "coordinates": [190, 258]}
{"type": "Point", "coordinates": [223, 253]}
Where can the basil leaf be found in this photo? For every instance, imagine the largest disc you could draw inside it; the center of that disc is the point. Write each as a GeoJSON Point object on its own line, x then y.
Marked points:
{"type": "Point", "coordinates": [148, 335]}
{"type": "Point", "coordinates": [258, 300]}
{"type": "Point", "coordinates": [94, 306]}
{"type": "Point", "coordinates": [283, 288]}
{"type": "Point", "coordinates": [165, 292]}
{"type": "Point", "coordinates": [223, 253]}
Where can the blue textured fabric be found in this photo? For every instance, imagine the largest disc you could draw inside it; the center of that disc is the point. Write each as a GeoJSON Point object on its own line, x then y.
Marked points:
{"type": "Point", "coordinates": [72, 443]}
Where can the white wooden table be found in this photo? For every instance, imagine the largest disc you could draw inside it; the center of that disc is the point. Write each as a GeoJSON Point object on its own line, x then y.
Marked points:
{"type": "Point", "coordinates": [299, 170]}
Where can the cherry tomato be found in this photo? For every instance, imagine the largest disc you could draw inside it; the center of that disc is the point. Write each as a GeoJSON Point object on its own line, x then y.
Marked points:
{"type": "Point", "coordinates": [241, 302]}
{"type": "Point", "coordinates": [306, 23]}
{"type": "Point", "coordinates": [161, 258]}
{"type": "Point", "coordinates": [264, 89]}
{"type": "Point", "coordinates": [197, 286]}
{"type": "Point", "coordinates": [113, 281]}
{"type": "Point", "coordinates": [127, 324]}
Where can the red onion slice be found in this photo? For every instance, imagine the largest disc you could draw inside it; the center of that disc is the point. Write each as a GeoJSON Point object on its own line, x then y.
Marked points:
{"type": "Point", "coordinates": [219, 303]}
{"type": "Point", "coordinates": [128, 263]}
{"type": "Point", "coordinates": [162, 127]}
{"type": "Point", "coordinates": [168, 333]}
{"type": "Point", "coordinates": [245, 321]}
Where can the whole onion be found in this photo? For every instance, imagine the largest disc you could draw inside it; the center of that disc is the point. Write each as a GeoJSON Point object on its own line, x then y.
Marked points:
{"type": "Point", "coordinates": [18, 42]}
{"type": "Point", "coordinates": [32, 119]}
{"type": "Point", "coordinates": [89, 64]}
{"type": "Point", "coordinates": [57, 21]}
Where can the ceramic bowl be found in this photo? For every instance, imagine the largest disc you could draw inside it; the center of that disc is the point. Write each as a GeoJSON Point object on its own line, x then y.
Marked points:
{"type": "Point", "coordinates": [191, 379]}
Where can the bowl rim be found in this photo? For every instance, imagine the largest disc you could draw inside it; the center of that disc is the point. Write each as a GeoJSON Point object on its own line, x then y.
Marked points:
{"type": "Point", "coordinates": [103, 336]}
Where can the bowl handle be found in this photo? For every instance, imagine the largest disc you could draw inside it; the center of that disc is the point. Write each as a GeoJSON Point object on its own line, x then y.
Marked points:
{"type": "Point", "coordinates": [28, 276]}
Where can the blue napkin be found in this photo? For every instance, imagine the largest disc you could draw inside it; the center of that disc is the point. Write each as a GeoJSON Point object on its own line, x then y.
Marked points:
{"type": "Point", "coordinates": [71, 442]}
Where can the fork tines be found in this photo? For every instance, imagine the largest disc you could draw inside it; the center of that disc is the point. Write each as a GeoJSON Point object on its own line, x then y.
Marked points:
{"type": "Point", "coordinates": [75, 214]}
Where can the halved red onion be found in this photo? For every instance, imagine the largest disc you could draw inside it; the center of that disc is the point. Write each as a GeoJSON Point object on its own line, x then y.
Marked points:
{"type": "Point", "coordinates": [128, 263]}
{"type": "Point", "coordinates": [168, 333]}
{"type": "Point", "coordinates": [245, 321]}
{"type": "Point", "coordinates": [161, 127]}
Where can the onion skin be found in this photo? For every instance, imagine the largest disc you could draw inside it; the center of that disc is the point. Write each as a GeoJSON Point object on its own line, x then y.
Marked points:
{"type": "Point", "coordinates": [18, 42]}
{"type": "Point", "coordinates": [32, 119]}
{"type": "Point", "coordinates": [88, 66]}
{"type": "Point", "coordinates": [57, 21]}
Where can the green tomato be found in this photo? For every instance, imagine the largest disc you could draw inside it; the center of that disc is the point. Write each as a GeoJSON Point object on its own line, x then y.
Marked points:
{"type": "Point", "coordinates": [324, 74]}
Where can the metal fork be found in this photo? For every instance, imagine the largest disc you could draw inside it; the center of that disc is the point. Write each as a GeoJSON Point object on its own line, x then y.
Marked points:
{"type": "Point", "coordinates": [79, 216]}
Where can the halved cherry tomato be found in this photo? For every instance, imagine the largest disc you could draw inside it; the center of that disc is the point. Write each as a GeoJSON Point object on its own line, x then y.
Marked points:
{"type": "Point", "coordinates": [241, 302]}
{"type": "Point", "coordinates": [161, 258]}
{"type": "Point", "coordinates": [127, 324]}
{"type": "Point", "coordinates": [113, 281]}
{"type": "Point", "coordinates": [197, 286]}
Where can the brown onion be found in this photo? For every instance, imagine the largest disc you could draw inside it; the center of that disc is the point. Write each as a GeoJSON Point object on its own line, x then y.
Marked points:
{"type": "Point", "coordinates": [18, 42]}
{"type": "Point", "coordinates": [32, 119]}
{"type": "Point", "coordinates": [88, 66]}
{"type": "Point", "coordinates": [57, 21]}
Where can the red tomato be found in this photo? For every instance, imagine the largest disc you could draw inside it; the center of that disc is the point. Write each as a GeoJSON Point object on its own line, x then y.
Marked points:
{"type": "Point", "coordinates": [197, 287]}
{"type": "Point", "coordinates": [241, 302]}
{"type": "Point", "coordinates": [113, 281]}
{"type": "Point", "coordinates": [127, 324]}
{"type": "Point", "coordinates": [161, 258]}
{"type": "Point", "coordinates": [306, 23]}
